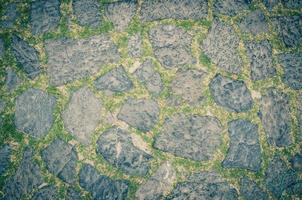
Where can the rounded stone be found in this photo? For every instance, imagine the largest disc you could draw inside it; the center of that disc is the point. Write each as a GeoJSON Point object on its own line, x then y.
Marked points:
{"type": "Point", "coordinates": [34, 112]}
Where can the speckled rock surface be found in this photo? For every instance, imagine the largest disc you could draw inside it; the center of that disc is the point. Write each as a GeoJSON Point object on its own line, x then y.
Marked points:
{"type": "Point", "coordinates": [69, 59]}
{"type": "Point", "coordinates": [231, 94]}
{"type": "Point", "coordinates": [221, 46]}
{"type": "Point", "coordinates": [5, 155]}
{"type": "Point", "coordinates": [82, 114]}
{"type": "Point", "coordinates": [231, 7]}
{"type": "Point", "coordinates": [254, 23]}
{"type": "Point", "coordinates": [12, 80]}
{"type": "Point", "coordinates": [48, 192]}
{"type": "Point", "coordinates": [10, 14]}
{"type": "Point", "coordinates": [87, 12]}
{"type": "Point", "coordinates": [250, 190]}
{"type": "Point", "coordinates": [193, 137]}
{"type": "Point", "coordinates": [34, 112]}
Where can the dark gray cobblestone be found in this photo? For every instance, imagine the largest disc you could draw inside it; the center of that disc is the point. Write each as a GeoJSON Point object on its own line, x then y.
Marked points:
{"type": "Point", "coordinates": [254, 23]}
{"type": "Point", "coordinates": [231, 7]}
{"type": "Point", "coordinates": [11, 14]}
{"type": "Point", "coordinates": [5, 156]}
{"type": "Point", "coordinates": [250, 190]}
{"type": "Point", "coordinates": [87, 12]}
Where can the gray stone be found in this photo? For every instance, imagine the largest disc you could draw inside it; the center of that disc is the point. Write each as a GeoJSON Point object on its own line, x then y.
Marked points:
{"type": "Point", "coordinates": [2, 49]}
{"type": "Point", "coordinates": [254, 23]}
{"type": "Point", "coordinates": [27, 57]}
{"type": "Point", "coordinates": [292, 66]}
{"type": "Point", "coordinates": [70, 59]}
{"type": "Point", "coordinates": [289, 29]}
{"type": "Point", "coordinates": [10, 14]}
{"type": "Point", "coordinates": [231, 94]}
{"type": "Point", "coordinates": [72, 194]}
{"type": "Point", "coordinates": [270, 4]}
{"type": "Point", "coordinates": [251, 191]}
{"type": "Point", "coordinates": [158, 184]}
{"type": "Point", "coordinates": [299, 116]}
{"type": "Point", "coordinates": [82, 114]}
{"type": "Point", "coordinates": [171, 46]}
{"type": "Point", "coordinates": [190, 136]}
{"type": "Point", "coordinates": [261, 61]}
{"type": "Point", "coordinates": [203, 185]}
{"type": "Point", "coordinates": [34, 112]}
{"type": "Point", "coordinates": [149, 77]}
{"type": "Point", "coordinates": [294, 4]}
{"type": "Point", "coordinates": [174, 9]}
{"type": "Point", "coordinates": [278, 177]}
{"type": "Point", "coordinates": [48, 192]}
{"type": "Point", "coordinates": [188, 85]}
{"type": "Point", "coordinates": [60, 159]}
{"type": "Point", "coordinates": [12, 80]}
{"type": "Point", "coordinates": [116, 147]}
{"type": "Point", "coordinates": [221, 46]}
{"type": "Point", "coordinates": [114, 81]}
{"type": "Point", "coordinates": [244, 151]}
{"type": "Point", "coordinates": [87, 12]}
{"type": "Point", "coordinates": [295, 189]}
{"type": "Point", "coordinates": [135, 46]}
{"type": "Point", "coordinates": [5, 155]}
{"type": "Point", "coordinates": [231, 7]}
{"type": "Point", "coordinates": [120, 13]}
{"type": "Point", "coordinates": [275, 116]}
{"type": "Point", "coordinates": [102, 187]}
{"type": "Point", "coordinates": [44, 16]}
{"type": "Point", "coordinates": [296, 162]}
{"type": "Point", "coordinates": [26, 179]}
{"type": "Point", "coordinates": [142, 114]}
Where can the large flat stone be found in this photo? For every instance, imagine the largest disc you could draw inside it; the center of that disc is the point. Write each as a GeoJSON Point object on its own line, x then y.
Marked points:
{"type": "Point", "coordinates": [116, 146]}
{"type": "Point", "coordinates": [82, 114]}
{"type": "Point", "coordinates": [48, 192]}
{"type": "Point", "coordinates": [261, 61]}
{"type": "Point", "coordinates": [278, 177]}
{"type": "Point", "coordinates": [5, 155]}
{"type": "Point", "coordinates": [115, 81]}
{"type": "Point", "coordinates": [26, 56]}
{"type": "Point", "coordinates": [149, 77]}
{"type": "Point", "coordinates": [44, 16]}
{"type": "Point", "coordinates": [141, 114]}
{"type": "Point", "coordinates": [102, 187]}
{"type": "Point", "coordinates": [289, 29]}
{"type": "Point", "coordinates": [251, 191]}
{"type": "Point", "coordinates": [275, 117]}
{"type": "Point", "coordinates": [87, 12]}
{"type": "Point", "coordinates": [10, 14]}
{"type": "Point", "coordinates": [203, 185]}
{"type": "Point", "coordinates": [244, 150]}
{"type": "Point", "coordinates": [194, 137]}
{"type": "Point", "coordinates": [292, 67]}
{"type": "Point", "coordinates": [188, 85]}
{"type": "Point", "coordinates": [120, 13]}
{"type": "Point", "coordinates": [171, 46]}
{"type": "Point", "coordinates": [174, 9]}
{"type": "Point", "coordinates": [60, 159]}
{"type": "Point", "coordinates": [231, 7]}
{"type": "Point", "coordinates": [221, 46]}
{"type": "Point", "coordinates": [26, 179]}
{"type": "Point", "coordinates": [254, 23]}
{"type": "Point", "coordinates": [231, 94]}
{"type": "Point", "coordinates": [158, 184]}
{"type": "Point", "coordinates": [34, 112]}
{"type": "Point", "coordinates": [71, 59]}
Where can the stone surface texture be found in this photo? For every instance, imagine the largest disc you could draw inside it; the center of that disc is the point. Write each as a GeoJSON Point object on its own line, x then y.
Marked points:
{"type": "Point", "coordinates": [141, 114]}
{"type": "Point", "coordinates": [194, 137]}
{"type": "Point", "coordinates": [12, 80]}
{"type": "Point", "coordinates": [274, 114]}
{"type": "Point", "coordinates": [5, 155]}
{"type": "Point", "coordinates": [250, 190]}
{"type": "Point", "coordinates": [231, 94]}
{"type": "Point", "coordinates": [44, 16]}
{"type": "Point", "coordinates": [34, 112]}
{"type": "Point", "coordinates": [10, 14]}
{"type": "Point", "coordinates": [116, 146]}
{"type": "Point", "coordinates": [221, 46]}
{"type": "Point", "coordinates": [254, 23]}
{"type": "Point", "coordinates": [27, 56]}
{"type": "Point", "coordinates": [244, 150]}
{"type": "Point", "coordinates": [101, 186]}
{"type": "Point", "coordinates": [47, 192]}
{"type": "Point", "coordinates": [87, 12]}
{"type": "Point", "coordinates": [231, 7]}
{"type": "Point", "coordinates": [171, 46]}
{"type": "Point", "coordinates": [70, 59]}
{"type": "Point", "coordinates": [82, 114]}
{"type": "Point", "coordinates": [135, 46]}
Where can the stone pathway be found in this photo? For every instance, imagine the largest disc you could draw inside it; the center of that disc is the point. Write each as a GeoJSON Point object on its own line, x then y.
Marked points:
{"type": "Point", "coordinates": [151, 99]}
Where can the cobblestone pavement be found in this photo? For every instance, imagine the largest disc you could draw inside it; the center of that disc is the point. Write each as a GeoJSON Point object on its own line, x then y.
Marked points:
{"type": "Point", "coordinates": [151, 99]}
